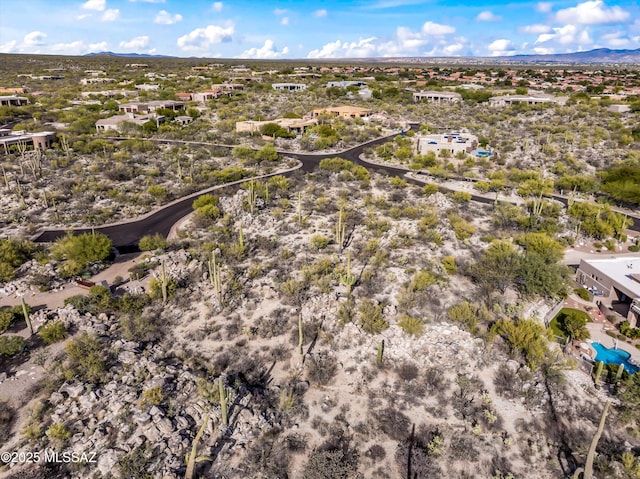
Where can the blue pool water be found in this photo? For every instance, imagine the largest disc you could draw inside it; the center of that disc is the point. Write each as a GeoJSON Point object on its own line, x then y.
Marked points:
{"type": "Point", "coordinates": [614, 356]}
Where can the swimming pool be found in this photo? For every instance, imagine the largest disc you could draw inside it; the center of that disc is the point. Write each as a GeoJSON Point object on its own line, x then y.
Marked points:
{"type": "Point", "coordinates": [614, 356]}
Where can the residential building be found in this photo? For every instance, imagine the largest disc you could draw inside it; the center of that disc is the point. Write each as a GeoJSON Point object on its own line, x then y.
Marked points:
{"type": "Point", "coordinates": [437, 96]}
{"type": "Point", "coordinates": [531, 100]}
{"type": "Point", "coordinates": [292, 125]}
{"type": "Point", "coordinates": [346, 83]}
{"type": "Point", "coordinates": [151, 106]}
{"type": "Point", "coordinates": [13, 100]}
{"type": "Point", "coordinates": [13, 90]}
{"type": "Point", "coordinates": [614, 280]}
{"type": "Point", "coordinates": [40, 140]}
{"type": "Point", "coordinates": [450, 142]}
{"type": "Point", "coordinates": [148, 87]}
{"type": "Point", "coordinates": [116, 123]}
{"type": "Point", "coordinates": [183, 120]}
{"type": "Point", "coordinates": [344, 111]}
{"type": "Point", "coordinates": [93, 80]}
{"type": "Point", "coordinates": [110, 93]}
{"type": "Point", "coordinates": [289, 86]}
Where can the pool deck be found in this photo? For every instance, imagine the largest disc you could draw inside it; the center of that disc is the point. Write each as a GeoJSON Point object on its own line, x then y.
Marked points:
{"type": "Point", "coordinates": [600, 326]}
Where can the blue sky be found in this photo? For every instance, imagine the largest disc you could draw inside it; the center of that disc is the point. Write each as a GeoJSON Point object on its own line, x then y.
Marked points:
{"type": "Point", "coordinates": [327, 29]}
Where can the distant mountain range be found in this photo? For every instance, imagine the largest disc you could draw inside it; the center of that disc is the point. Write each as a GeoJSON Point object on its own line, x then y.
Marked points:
{"type": "Point", "coordinates": [138, 55]}
{"type": "Point", "coordinates": [597, 56]}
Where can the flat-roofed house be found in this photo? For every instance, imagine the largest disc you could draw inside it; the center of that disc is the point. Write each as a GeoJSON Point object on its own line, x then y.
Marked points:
{"type": "Point", "coordinates": [116, 123]}
{"type": "Point", "coordinates": [292, 125]}
{"type": "Point", "coordinates": [289, 86]}
{"type": "Point", "coordinates": [437, 96]}
{"type": "Point", "coordinates": [505, 100]}
{"type": "Point", "coordinates": [38, 140]}
{"type": "Point", "coordinates": [13, 100]}
{"type": "Point", "coordinates": [344, 111]}
{"type": "Point", "coordinates": [613, 280]}
{"type": "Point", "coordinates": [451, 142]}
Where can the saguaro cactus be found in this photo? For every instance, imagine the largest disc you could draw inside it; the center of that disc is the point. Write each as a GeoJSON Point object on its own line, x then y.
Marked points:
{"type": "Point", "coordinates": [300, 338]}
{"type": "Point", "coordinates": [340, 229]}
{"type": "Point", "coordinates": [25, 312]}
{"type": "Point", "coordinates": [300, 208]}
{"type": "Point", "coordinates": [380, 352]}
{"type": "Point", "coordinates": [163, 284]}
{"type": "Point", "coordinates": [215, 276]}
{"type": "Point", "coordinates": [223, 401]}
{"type": "Point", "coordinates": [598, 372]}
{"type": "Point", "coordinates": [193, 458]}
{"type": "Point", "coordinates": [588, 467]}
{"type": "Point", "coordinates": [347, 278]}
{"type": "Point", "coordinates": [252, 196]}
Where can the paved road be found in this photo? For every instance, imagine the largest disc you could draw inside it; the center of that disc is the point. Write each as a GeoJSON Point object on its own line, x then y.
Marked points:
{"type": "Point", "coordinates": [126, 234]}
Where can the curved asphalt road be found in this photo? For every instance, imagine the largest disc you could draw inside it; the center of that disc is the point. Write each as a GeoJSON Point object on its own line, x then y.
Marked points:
{"type": "Point", "coordinates": [125, 235]}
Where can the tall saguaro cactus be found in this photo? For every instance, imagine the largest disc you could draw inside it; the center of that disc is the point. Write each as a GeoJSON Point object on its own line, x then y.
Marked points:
{"type": "Point", "coordinates": [223, 401]}
{"type": "Point", "coordinates": [193, 458]}
{"type": "Point", "coordinates": [347, 278]}
{"type": "Point", "coordinates": [598, 372]}
{"type": "Point", "coordinates": [163, 284]}
{"type": "Point", "coordinates": [340, 229]}
{"type": "Point", "coordinates": [215, 276]}
{"type": "Point", "coordinates": [300, 338]}
{"type": "Point", "coordinates": [588, 467]}
{"type": "Point", "coordinates": [25, 312]}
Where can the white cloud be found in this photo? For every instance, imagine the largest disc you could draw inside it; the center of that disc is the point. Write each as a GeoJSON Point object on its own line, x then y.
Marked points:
{"type": "Point", "coordinates": [147, 1]}
{"type": "Point", "coordinates": [566, 35]}
{"type": "Point", "coordinates": [592, 13]}
{"type": "Point", "coordinates": [615, 39]}
{"type": "Point", "coordinates": [97, 5]}
{"type": "Point", "coordinates": [501, 47]}
{"type": "Point", "coordinates": [110, 15]}
{"type": "Point", "coordinates": [9, 47]}
{"type": "Point", "coordinates": [431, 28]}
{"type": "Point", "coordinates": [488, 16]}
{"type": "Point", "coordinates": [453, 49]}
{"type": "Point", "coordinates": [268, 50]}
{"type": "Point", "coordinates": [98, 47]}
{"type": "Point", "coordinates": [200, 39]}
{"type": "Point", "coordinates": [544, 7]}
{"type": "Point", "coordinates": [544, 51]}
{"type": "Point", "coordinates": [320, 13]}
{"type": "Point", "coordinates": [165, 18]}
{"type": "Point", "coordinates": [136, 43]}
{"type": "Point", "coordinates": [280, 11]}
{"type": "Point", "coordinates": [217, 6]}
{"type": "Point", "coordinates": [284, 21]}
{"type": "Point", "coordinates": [33, 39]}
{"type": "Point", "coordinates": [76, 48]}
{"type": "Point", "coordinates": [535, 29]}
{"type": "Point", "coordinates": [363, 48]}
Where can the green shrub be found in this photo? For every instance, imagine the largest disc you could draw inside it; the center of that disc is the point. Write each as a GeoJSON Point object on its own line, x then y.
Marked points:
{"type": "Point", "coordinates": [319, 241]}
{"type": "Point", "coordinates": [461, 197]}
{"type": "Point", "coordinates": [411, 326]}
{"type": "Point", "coordinates": [371, 318]}
{"type": "Point", "coordinates": [582, 293]}
{"type": "Point", "coordinates": [634, 248]}
{"type": "Point", "coordinates": [58, 432]}
{"type": "Point", "coordinates": [52, 332]}
{"type": "Point", "coordinates": [422, 280]}
{"type": "Point", "coordinates": [77, 252]}
{"type": "Point", "coordinates": [11, 345]}
{"type": "Point", "coordinates": [12, 254]}
{"type": "Point", "coordinates": [87, 360]}
{"type": "Point", "coordinates": [6, 319]}
{"type": "Point", "coordinates": [153, 242]}
{"type": "Point", "coordinates": [152, 397]}
{"type": "Point", "coordinates": [430, 189]}
{"type": "Point", "coordinates": [449, 264]}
